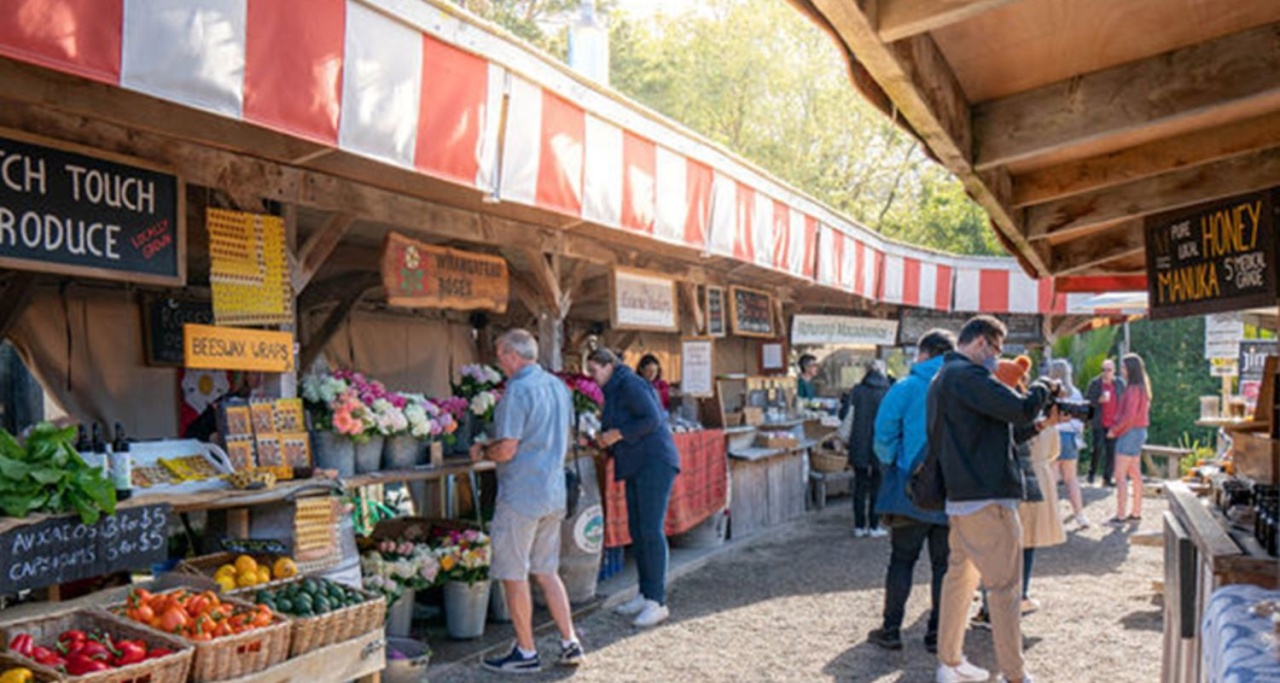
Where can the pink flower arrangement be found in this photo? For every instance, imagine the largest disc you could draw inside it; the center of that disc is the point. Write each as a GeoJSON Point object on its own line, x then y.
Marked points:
{"type": "Point", "coordinates": [587, 396]}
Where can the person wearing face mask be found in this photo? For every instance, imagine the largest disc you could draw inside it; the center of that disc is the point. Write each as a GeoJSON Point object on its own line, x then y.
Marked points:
{"type": "Point", "coordinates": [970, 417]}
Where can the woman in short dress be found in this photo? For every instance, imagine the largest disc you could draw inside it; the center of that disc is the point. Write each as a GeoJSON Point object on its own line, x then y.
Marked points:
{"type": "Point", "coordinates": [1069, 433]}
{"type": "Point", "coordinates": [1130, 433]}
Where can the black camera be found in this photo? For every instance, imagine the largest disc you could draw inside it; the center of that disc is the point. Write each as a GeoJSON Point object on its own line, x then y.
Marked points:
{"type": "Point", "coordinates": [1076, 409]}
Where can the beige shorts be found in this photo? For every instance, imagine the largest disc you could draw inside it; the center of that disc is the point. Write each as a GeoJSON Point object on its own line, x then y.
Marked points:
{"type": "Point", "coordinates": [523, 545]}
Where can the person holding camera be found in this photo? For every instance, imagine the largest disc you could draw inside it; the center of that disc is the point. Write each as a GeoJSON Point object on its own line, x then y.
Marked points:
{"type": "Point", "coordinates": [646, 461]}
{"type": "Point", "coordinates": [970, 419]}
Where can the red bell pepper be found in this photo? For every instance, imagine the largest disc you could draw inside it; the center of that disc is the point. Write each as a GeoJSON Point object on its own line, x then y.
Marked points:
{"type": "Point", "coordinates": [48, 657]}
{"type": "Point", "coordinates": [22, 644]}
{"type": "Point", "coordinates": [94, 650]}
{"type": "Point", "coordinates": [159, 652]}
{"type": "Point", "coordinates": [131, 652]}
{"type": "Point", "coordinates": [79, 665]}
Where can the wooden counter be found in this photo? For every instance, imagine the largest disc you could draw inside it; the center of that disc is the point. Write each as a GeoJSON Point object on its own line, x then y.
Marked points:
{"type": "Point", "coordinates": [1202, 554]}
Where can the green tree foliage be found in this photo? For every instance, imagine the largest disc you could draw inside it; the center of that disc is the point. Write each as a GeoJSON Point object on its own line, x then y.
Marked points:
{"type": "Point", "coordinates": [759, 78]}
{"type": "Point", "coordinates": [1086, 351]}
{"type": "Point", "coordinates": [1174, 354]}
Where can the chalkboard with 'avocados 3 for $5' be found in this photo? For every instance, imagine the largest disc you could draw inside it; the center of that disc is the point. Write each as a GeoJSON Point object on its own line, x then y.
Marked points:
{"type": "Point", "coordinates": [1212, 258]}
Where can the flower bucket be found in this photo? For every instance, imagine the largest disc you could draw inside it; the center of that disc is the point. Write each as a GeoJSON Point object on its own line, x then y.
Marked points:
{"type": "Point", "coordinates": [400, 615]}
{"type": "Point", "coordinates": [334, 452]}
{"type": "Point", "coordinates": [411, 666]}
{"type": "Point", "coordinates": [468, 427]}
{"type": "Point", "coordinates": [465, 608]}
{"type": "Point", "coordinates": [369, 456]}
{"type": "Point", "coordinates": [401, 452]}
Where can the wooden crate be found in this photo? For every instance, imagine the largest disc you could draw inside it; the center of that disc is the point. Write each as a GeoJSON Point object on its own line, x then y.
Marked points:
{"type": "Point", "coordinates": [1256, 457]}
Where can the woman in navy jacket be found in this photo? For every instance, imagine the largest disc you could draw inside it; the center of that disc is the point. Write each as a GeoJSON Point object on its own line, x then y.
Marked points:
{"type": "Point", "coordinates": [646, 461]}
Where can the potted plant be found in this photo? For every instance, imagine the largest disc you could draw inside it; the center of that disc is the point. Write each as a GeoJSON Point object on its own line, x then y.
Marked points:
{"type": "Point", "coordinates": [428, 424]}
{"type": "Point", "coordinates": [397, 569]}
{"type": "Point", "coordinates": [464, 569]}
{"type": "Point", "coordinates": [339, 420]}
{"type": "Point", "coordinates": [481, 387]}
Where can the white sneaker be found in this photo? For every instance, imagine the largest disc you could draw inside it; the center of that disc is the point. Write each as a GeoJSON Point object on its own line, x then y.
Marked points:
{"type": "Point", "coordinates": [1030, 605]}
{"type": "Point", "coordinates": [1083, 521]}
{"type": "Point", "coordinates": [962, 673]}
{"type": "Point", "coordinates": [632, 606]}
{"type": "Point", "coordinates": [878, 532]}
{"type": "Point", "coordinates": [859, 532]}
{"type": "Point", "coordinates": [1026, 678]}
{"type": "Point", "coordinates": [652, 615]}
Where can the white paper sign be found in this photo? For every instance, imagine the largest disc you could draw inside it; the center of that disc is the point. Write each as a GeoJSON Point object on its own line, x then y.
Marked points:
{"type": "Point", "coordinates": [771, 357]}
{"type": "Point", "coordinates": [643, 302]}
{"type": "Point", "coordinates": [842, 330]}
{"type": "Point", "coordinates": [1222, 335]}
{"type": "Point", "coordinates": [696, 368]}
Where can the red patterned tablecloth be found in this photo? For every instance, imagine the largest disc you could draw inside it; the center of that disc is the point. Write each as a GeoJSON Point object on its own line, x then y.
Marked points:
{"type": "Point", "coordinates": [699, 490]}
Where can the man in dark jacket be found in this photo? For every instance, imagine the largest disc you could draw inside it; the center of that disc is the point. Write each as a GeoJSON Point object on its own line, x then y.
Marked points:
{"type": "Point", "coordinates": [865, 401]}
{"type": "Point", "coordinates": [971, 417]}
{"type": "Point", "coordinates": [1103, 394]}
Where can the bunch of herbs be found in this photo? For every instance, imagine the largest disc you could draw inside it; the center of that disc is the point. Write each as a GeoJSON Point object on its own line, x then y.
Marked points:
{"type": "Point", "coordinates": [46, 474]}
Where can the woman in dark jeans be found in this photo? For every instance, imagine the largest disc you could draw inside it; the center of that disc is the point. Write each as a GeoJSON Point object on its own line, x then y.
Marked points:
{"type": "Point", "coordinates": [646, 461]}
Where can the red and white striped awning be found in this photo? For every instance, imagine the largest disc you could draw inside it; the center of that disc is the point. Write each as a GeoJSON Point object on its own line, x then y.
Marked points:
{"type": "Point", "coordinates": [423, 86]}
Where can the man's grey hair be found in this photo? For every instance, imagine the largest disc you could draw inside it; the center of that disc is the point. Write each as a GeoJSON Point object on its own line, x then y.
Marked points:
{"type": "Point", "coordinates": [519, 342]}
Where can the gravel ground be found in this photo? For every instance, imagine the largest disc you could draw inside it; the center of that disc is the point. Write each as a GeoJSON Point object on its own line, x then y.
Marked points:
{"type": "Point", "coordinates": [796, 605]}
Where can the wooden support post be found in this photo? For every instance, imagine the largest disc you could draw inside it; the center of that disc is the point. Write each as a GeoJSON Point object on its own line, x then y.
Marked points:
{"type": "Point", "coordinates": [689, 291]}
{"type": "Point", "coordinates": [17, 296]}
{"type": "Point", "coordinates": [317, 249]}
{"type": "Point", "coordinates": [353, 290]}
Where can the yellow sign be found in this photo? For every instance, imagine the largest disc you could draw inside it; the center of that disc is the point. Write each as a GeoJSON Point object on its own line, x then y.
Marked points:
{"type": "Point", "coordinates": [248, 271]}
{"type": "Point", "coordinates": [230, 348]}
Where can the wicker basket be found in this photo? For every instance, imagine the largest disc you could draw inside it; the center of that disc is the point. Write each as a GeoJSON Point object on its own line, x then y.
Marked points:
{"type": "Point", "coordinates": [45, 631]}
{"type": "Point", "coordinates": [829, 456]}
{"type": "Point", "coordinates": [313, 633]}
{"type": "Point", "coordinates": [41, 674]}
{"type": "Point", "coordinates": [238, 655]}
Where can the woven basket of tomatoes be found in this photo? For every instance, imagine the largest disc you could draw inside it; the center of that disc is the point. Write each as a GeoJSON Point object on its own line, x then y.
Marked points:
{"type": "Point", "coordinates": [322, 612]}
{"type": "Point", "coordinates": [232, 638]}
{"type": "Point", "coordinates": [92, 646]}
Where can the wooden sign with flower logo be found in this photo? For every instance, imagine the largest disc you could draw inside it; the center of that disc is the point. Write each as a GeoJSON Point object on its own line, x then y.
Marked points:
{"type": "Point", "coordinates": [419, 275]}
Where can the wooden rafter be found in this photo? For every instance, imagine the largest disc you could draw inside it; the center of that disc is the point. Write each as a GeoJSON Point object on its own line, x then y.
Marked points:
{"type": "Point", "coordinates": [1232, 71]}
{"type": "Point", "coordinates": [917, 78]}
{"type": "Point", "coordinates": [349, 290]}
{"type": "Point", "coordinates": [689, 293]}
{"type": "Point", "coordinates": [1121, 241]}
{"type": "Point", "coordinates": [318, 247]}
{"type": "Point", "coordinates": [898, 19]}
{"type": "Point", "coordinates": [1145, 160]}
{"type": "Point", "coordinates": [1236, 175]}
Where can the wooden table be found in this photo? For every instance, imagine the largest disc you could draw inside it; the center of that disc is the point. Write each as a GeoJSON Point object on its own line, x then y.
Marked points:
{"type": "Point", "coordinates": [1202, 554]}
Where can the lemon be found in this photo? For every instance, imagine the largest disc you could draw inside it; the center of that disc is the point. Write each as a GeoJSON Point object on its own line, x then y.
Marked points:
{"type": "Point", "coordinates": [226, 570]}
{"type": "Point", "coordinates": [246, 565]}
{"type": "Point", "coordinates": [247, 579]}
{"type": "Point", "coordinates": [285, 568]}
{"type": "Point", "coordinates": [227, 582]}
{"type": "Point", "coordinates": [264, 575]}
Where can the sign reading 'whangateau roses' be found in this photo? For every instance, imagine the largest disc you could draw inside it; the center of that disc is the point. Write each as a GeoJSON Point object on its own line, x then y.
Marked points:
{"type": "Point", "coordinates": [419, 275]}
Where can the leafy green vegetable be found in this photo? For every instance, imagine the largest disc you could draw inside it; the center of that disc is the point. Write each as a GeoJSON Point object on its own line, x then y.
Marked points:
{"type": "Point", "coordinates": [45, 474]}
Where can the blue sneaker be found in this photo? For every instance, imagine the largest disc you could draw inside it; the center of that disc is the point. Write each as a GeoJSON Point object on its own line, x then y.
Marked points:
{"type": "Point", "coordinates": [514, 663]}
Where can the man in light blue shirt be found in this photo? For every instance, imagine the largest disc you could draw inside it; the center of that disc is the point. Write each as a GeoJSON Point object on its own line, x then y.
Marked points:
{"type": "Point", "coordinates": [532, 424]}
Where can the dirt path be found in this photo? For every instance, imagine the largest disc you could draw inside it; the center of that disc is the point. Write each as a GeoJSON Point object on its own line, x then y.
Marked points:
{"type": "Point", "coordinates": [796, 606]}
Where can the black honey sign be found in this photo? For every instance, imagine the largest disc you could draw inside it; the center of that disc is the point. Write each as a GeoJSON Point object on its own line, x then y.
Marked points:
{"type": "Point", "coordinates": [1215, 257]}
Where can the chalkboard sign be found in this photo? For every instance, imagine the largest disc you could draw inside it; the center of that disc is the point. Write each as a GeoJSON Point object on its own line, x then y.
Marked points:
{"type": "Point", "coordinates": [715, 311]}
{"type": "Point", "coordinates": [165, 318]}
{"type": "Point", "coordinates": [62, 212]}
{"type": "Point", "coordinates": [751, 312]}
{"type": "Point", "coordinates": [1214, 257]}
{"type": "Point", "coordinates": [61, 549]}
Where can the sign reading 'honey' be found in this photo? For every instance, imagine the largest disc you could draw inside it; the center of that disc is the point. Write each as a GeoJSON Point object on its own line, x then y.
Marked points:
{"type": "Point", "coordinates": [1214, 257]}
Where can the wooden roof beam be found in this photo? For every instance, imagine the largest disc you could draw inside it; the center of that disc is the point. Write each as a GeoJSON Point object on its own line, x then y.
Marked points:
{"type": "Point", "coordinates": [1237, 175]}
{"type": "Point", "coordinates": [898, 19]}
{"type": "Point", "coordinates": [1146, 160]}
{"type": "Point", "coordinates": [1234, 70]}
{"type": "Point", "coordinates": [917, 78]}
{"type": "Point", "coordinates": [1122, 241]}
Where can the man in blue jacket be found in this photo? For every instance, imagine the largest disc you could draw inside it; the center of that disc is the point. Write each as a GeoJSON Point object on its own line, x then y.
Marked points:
{"type": "Point", "coordinates": [900, 443]}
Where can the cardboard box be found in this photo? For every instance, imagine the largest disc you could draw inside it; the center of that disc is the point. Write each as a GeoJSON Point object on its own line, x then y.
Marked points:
{"type": "Point", "coordinates": [777, 440]}
{"type": "Point", "coordinates": [753, 416]}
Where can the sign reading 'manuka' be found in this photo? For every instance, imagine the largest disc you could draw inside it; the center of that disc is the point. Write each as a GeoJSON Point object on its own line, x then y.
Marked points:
{"type": "Point", "coordinates": [1214, 257]}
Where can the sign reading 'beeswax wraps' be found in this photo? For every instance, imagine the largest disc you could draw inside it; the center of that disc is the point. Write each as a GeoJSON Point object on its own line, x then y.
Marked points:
{"type": "Point", "coordinates": [231, 348]}
{"type": "Point", "coordinates": [642, 301]}
{"type": "Point", "coordinates": [1218, 256]}
{"type": "Point", "coordinates": [62, 212]}
{"type": "Point", "coordinates": [419, 275]}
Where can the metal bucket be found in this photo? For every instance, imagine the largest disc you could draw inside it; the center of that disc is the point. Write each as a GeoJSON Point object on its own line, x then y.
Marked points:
{"type": "Point", "coordinates": [465, 607]}
{"type": "Point", "coordinates": [347, 571]}
{"type": "Point", "coordinates": [412, 668]}
{"type": "Point", "coordinates": [334, 452]}
{"type": "Point", "coordinates": [401, 452]}
{"type": "Point", "coordinates": [369, 456]}
{"type": "Point", "coordinates": [582, 538]}
{"type": "Point", "coordinates": [498, 612]}
{"type": "Point", "coordinates": [400, 615]}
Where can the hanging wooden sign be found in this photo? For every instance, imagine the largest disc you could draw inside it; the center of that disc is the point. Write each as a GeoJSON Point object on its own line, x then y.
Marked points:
{"type": "Point", "coordinates": [420, 275]}
{"type": "Point", "coordinates": [751, 312]}
{"type": "Point", "coordinates": [643, 301]}
{"type": "Point", "coordinates": [68, 213]}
